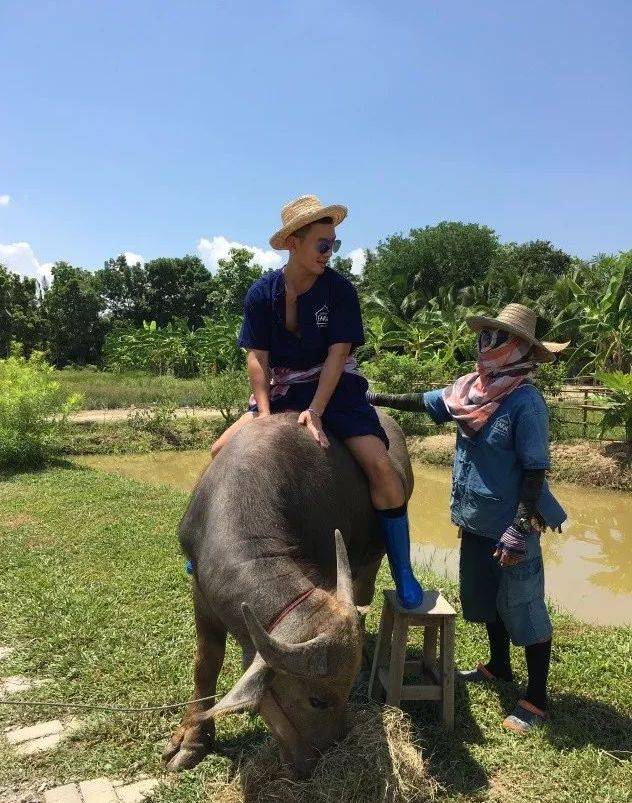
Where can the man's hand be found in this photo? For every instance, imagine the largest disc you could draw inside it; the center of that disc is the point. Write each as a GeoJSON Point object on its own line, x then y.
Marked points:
{"type": "Point", "coordinates": [311, 420]}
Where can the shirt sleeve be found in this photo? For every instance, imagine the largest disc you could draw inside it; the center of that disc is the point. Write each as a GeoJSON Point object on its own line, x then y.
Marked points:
{"type": "Point", "coordinates": [531, 436]}
{"type": "Point", "coordinates": [435, 406]}
{"type": "Point", "coordinates": [256, 326]}
{"type": "Point", "coordinates": [345, 318]}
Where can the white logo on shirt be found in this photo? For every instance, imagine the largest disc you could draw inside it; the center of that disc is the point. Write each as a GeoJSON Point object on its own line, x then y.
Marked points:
{"type": "Point", "coordinates": [502, 425]}
{"type": "Point", "coordinates": [322, 317]}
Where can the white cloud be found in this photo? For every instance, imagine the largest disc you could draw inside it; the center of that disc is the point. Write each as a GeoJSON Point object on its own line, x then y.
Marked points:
{"type": "Point", "coordinates": [132, 259]}
{"type": "Point", "coordinates": [358, 260]}
{"type": "Point", "coordinates": [211, 251]}
{"type": "Point", "coordinates": [5, 200]}
{"type": "Point", "coordinates": [19, 258]}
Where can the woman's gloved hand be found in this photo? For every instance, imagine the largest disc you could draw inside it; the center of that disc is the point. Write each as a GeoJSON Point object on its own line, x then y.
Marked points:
{"type": "Point", "coordinates": [512, 546]}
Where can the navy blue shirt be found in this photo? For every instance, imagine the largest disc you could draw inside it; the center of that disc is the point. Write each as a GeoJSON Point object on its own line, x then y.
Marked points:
{"type": "Point", "coordinates": [327, 313]}
{"type": "Point", "coordinates": [488, 468]}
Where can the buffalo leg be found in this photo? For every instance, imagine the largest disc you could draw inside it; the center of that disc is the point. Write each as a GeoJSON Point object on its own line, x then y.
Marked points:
{"type": "Point", "coordinates": [193, 740]}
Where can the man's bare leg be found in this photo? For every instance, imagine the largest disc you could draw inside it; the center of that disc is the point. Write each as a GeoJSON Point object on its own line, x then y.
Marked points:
{"type": "Point", "coordinates": [384, 482]}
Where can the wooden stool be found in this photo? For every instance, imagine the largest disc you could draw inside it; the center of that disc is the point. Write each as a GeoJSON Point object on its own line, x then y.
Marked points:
{"type": "Point", "coordinates": [435, 615]}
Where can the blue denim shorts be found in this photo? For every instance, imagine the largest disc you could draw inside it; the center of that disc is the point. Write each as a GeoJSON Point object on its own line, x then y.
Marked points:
{"type": "Point", "coordinates": [515, 593]}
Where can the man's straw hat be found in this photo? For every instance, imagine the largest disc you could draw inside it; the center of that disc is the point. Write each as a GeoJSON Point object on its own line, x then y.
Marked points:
{"type": "Point", "coordinates": [303, 210]}
{"type": "Point", "coordinates": [518, 320]}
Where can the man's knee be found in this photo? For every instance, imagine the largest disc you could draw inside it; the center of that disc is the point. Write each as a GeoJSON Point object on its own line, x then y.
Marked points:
{"type": "Point", "coordinates": [379, 468]}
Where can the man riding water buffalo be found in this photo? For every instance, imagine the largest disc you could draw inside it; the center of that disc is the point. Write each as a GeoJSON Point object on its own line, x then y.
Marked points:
{"type": "Point", "coordinates": [301, 326]}
{"type": "Point", "coordinates": [259, 529]}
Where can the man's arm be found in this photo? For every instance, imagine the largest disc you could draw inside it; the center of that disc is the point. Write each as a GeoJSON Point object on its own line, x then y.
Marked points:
{"type": "Point", "coordinates": [329, 377]}
{"type": "Point", "coordinates": [259, 376]}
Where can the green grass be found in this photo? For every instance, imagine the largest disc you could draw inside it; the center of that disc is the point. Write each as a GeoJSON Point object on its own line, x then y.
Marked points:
{"type": "Point", "coordinates": [94, 597]}
{"type": "Point", "coordinates": [103, 390]}
{"type": "Point", "coordinates": [126, 438]}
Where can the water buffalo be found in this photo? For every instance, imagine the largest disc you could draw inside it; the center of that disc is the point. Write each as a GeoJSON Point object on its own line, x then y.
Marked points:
{"type": "Point", "coordinates": [259, 531]}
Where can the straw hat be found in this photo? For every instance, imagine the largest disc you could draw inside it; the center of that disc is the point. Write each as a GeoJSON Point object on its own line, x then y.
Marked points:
{"type": "Point", "coordinates": [303, 210]}
{"type": "Point", "coordinates": [518, 320]}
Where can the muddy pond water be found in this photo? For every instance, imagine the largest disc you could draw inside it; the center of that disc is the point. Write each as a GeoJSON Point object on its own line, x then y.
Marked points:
{"type": "Point", "coordinates": [588, 565]}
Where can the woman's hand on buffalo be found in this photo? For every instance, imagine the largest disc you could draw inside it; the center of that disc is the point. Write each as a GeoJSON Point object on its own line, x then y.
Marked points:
{"type": "Point", "coordinates": [311, 419]}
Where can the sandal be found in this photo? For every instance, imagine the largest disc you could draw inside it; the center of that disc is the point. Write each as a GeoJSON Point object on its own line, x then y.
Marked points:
{"type": "Point", "coordinates": [524, 718]}
{"type": "Point", "coordinates": [479, 675]}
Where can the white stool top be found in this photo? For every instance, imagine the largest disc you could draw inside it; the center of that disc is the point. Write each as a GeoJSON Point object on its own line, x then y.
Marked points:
{"type": "Point", "coordinates": [433, 604]}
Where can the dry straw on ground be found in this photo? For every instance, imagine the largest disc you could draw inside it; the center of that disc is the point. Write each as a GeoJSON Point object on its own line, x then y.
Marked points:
{"type": "Point", "coordinates": [378, 762]}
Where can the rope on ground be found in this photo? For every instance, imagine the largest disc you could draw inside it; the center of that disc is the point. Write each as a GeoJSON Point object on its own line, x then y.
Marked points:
{"type": "Point", "coordinates": [91, 707]}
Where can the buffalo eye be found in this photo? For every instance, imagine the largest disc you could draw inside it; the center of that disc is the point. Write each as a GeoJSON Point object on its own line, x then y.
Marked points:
{"type": "Point", "coordinates": [316, 702]}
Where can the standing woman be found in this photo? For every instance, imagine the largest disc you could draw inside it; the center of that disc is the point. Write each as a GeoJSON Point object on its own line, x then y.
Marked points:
{"type": "Point", "coordinates": [500, 500]}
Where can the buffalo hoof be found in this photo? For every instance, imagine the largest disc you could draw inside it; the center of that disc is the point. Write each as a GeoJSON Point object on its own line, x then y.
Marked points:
{"type": "Point", "coordinates": [186, 748]}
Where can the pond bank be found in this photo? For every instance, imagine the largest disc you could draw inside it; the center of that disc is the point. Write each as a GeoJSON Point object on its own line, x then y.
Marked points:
{"type": "Point", "coordinates": [591, 463]}
{"type": "Point", "coordinates": [589, 566]}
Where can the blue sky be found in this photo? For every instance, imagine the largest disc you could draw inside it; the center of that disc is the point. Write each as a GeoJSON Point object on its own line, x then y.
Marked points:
{"type": "Point", "coordinates": [158, 127]}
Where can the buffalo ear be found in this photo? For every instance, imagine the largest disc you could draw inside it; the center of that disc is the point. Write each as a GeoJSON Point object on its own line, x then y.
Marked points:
{"type": "Point", "coordinates": [246, 694]}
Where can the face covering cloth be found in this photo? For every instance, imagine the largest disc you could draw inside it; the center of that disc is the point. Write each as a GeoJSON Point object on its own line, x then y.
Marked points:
{"type": "Point", "coordinates": [503, 365]}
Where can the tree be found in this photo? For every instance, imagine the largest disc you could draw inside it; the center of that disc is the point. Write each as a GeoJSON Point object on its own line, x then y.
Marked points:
{"type": "Point", "coordinates": [71, 308]}
{"type": "Point", "coordinates": [411, 270]}
{"type": "Point", "coordinates": [344, 266]}
{"type": "Point", "coordinates": [177, 288]}
{"type": "Point", "coordinates": [232, 280]}
{"type": "Point", "coordinates": [20, 317]}
{"type": "Point", "coordinates": [124, 289]}
{"type": "Point", "coordinates": [524, 273]}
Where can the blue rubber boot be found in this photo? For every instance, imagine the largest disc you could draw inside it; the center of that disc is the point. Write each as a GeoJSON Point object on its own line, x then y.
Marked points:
{"type": "Point", "coordinates": [397, 542]}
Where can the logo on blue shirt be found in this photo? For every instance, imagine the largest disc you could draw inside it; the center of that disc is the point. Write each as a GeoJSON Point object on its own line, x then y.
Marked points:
{"type": "Point", "coordinates": [502, 425]}
{"type": "Point", "coordinates": [322, 316]}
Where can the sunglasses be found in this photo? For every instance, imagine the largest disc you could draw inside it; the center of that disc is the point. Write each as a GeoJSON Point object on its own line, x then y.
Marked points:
{"type": "Point", "coordinates": [323, 246]}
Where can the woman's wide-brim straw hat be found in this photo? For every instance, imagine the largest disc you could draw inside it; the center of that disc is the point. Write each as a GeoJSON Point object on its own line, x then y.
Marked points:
{"type": "Point", "coordinates": [303, 210]}
{"type": "Point", "coordinates": [518, 320]}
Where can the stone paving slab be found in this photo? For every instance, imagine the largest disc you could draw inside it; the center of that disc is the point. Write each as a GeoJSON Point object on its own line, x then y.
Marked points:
{"type": "Point", "coordinates": [15, 684]}
{"type": "Point", "coordinates": [138, 791]}
{"type": "Point", "coordinates": [100, 790]}
{"type": "Point", "coordinates": [19, 735]}
{"type": "Point", "coordinates": [34, 746]}
{"type": "Point", "coordinates": [63, 794]}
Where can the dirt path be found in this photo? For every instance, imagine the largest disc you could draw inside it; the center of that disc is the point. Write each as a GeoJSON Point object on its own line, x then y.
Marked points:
{"type": "Point", "coordinates": [122, 414]}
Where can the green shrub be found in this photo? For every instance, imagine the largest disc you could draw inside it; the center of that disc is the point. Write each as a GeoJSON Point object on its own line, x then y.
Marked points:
{"type": "Point", "coordinates": [619, 402]}
{"type": "Point", "coordinates": [550, 378]}
{"type": "Point", "coordinates": [228, 392]}
{"type": "Point", "coordinates": [33, 409]}
{"type": "Point", "coordinates": [159, 420]}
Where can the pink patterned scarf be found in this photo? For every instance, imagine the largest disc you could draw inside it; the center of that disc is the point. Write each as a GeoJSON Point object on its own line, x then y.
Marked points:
{"type": "Point", "coordinates": [282, 378]}
{"type": "Point", "coordinates": [500, 369]}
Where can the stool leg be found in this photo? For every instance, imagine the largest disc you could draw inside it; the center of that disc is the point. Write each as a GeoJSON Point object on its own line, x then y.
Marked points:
{"type": "Point", "coordinates": [447, 671]}
{"type": "Point", "coordinates": [398, 659]}
{"type": "Point", "coordinates": [382, 650]}
{"type": "Point", "coordinates": [431, 634]}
